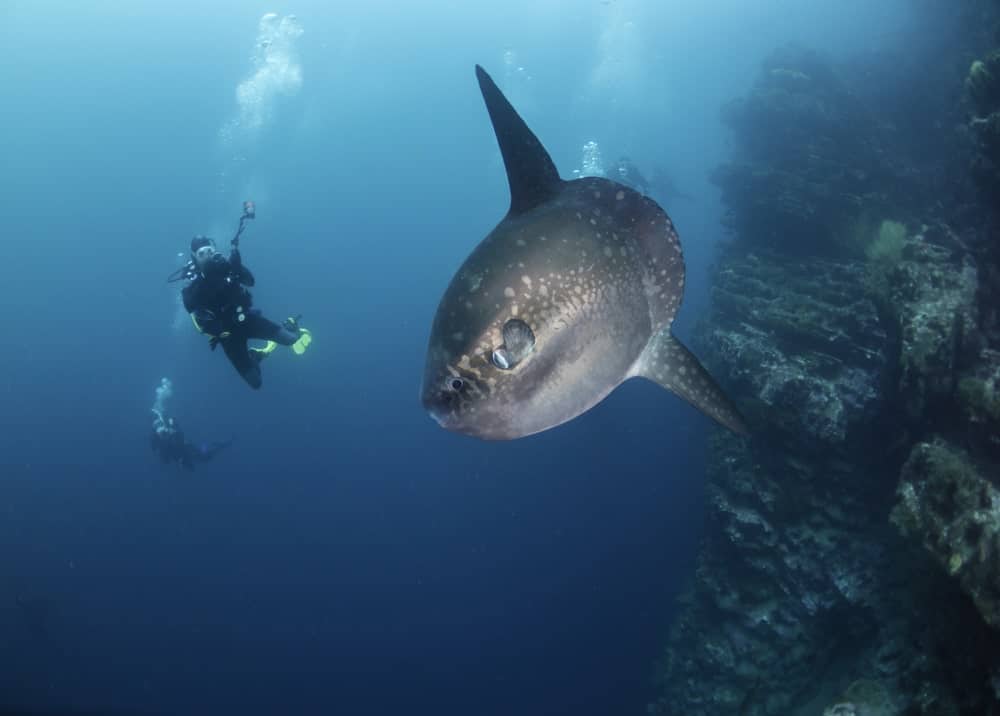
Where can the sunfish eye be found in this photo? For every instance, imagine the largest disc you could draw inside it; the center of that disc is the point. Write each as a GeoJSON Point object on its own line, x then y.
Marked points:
{"type": "Point", "coordinates": [455, 384]}
{"type": "Point", "coordinates": [500, 358]}
{"type": "Point", "coordinates": [518, 342]}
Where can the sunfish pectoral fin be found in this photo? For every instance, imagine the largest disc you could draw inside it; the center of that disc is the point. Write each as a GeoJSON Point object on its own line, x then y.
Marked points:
{"type": "Point", "coordinates": [667, 362]}
{"type": "Point", "coordinates": [532, 176]}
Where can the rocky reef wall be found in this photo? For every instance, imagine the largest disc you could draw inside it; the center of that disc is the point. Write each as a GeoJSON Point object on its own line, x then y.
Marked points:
{"type": "Point", "coordinates": [851, 558]}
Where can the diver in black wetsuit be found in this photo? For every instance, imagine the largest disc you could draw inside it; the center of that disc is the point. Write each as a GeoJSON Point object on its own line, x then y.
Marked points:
{"type": "Point", "coordinates": [661, 185]}
{"type": "Point", "coordinates": [220, 306]}
{"type": "Point", "coordinates": [628, 174]}
{"type": "Point", "coordinates": [167, 441]}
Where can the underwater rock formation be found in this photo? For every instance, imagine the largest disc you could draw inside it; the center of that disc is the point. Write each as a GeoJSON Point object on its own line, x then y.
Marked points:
{"type": "Point", "coordinates": [932, 293]}
{"type": "Point", "coordinates": [867, 358]}
{"type": "Point", "coordinates": [983, 85]}
{"type": "Point", "coordinates": [792, 555]}
{"type": "Point", "coordinates": [946, 504]}
{"type": "Point", "coordinates": [802, 587]}
{"type": "Point", "coordinates": [808, 345]}
{"type": "Point", "coordinates": [810, 159]}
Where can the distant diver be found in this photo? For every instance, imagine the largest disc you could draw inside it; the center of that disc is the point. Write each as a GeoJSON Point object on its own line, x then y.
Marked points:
{"type": "Point", "coordinates": [220, 305]}
{"type": "Point", "coordinates": [628, 174]}
{"type": "Point", "coordinates": [661, 186]}
{"type": "Point", "coordinates": [167, 439]}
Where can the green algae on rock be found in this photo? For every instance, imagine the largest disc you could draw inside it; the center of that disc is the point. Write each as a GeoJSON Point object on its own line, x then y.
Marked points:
{"type": "Point", "coordinates": [887, 245]}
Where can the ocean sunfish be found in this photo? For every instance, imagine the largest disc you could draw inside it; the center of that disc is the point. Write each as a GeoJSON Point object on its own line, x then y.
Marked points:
{"type": "Point", "coordinates": [570, 295]}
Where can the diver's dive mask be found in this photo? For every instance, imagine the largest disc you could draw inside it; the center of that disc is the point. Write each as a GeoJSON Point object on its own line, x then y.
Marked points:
{"type": "Point", "coordinates": [203, 255]}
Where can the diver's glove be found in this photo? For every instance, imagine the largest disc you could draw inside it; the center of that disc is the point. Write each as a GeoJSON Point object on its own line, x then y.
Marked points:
{"type": "Point", "coordinates": [218, 265]}
{"type": "Point", "coordinates": [292, 323]}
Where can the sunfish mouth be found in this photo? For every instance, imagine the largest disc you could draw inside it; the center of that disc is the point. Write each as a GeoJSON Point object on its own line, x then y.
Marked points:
{"type": "Point", "coordinates": [439, 418]}
{"type": "Point", "coordinates": [434, 408]}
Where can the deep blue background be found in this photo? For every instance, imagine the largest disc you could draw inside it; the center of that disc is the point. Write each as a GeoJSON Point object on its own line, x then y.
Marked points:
{"type": "Point", "coordinates": [347, 554]}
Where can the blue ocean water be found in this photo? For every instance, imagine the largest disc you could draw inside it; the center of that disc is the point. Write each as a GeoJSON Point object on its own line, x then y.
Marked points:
{"type": "Point", "coordinates": [346, 555]}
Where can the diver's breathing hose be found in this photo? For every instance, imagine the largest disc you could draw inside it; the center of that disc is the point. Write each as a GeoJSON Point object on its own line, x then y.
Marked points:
{"type": "Point", "coordinates": [180, 274]}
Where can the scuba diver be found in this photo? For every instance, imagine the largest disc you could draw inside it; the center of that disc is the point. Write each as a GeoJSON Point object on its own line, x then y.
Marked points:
{"type": "Point", "coordinates": [167, 438]}
{"type": "Point", "coordinates": [661, 185]}
{"type": "Point", "coordinates": [218, 299]}
{"type": "Point", "coordinates": [628, 174]}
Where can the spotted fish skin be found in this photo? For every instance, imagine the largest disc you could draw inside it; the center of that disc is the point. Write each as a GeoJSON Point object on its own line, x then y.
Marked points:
{"type": "Point", "coordinates": [593, 268]}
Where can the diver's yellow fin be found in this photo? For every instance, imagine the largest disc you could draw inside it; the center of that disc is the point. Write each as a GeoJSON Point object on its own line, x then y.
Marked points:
{"type": "Point", "coordinates": [305, 339]}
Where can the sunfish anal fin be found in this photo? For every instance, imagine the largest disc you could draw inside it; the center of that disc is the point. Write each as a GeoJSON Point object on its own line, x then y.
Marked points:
{"type": "Point", "coordinates": [667, 362]}
{"type": "Point", "coordinates": [531, 174]}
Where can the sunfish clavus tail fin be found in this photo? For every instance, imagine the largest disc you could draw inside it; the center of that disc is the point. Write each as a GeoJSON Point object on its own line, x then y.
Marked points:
{"type": "Point", "coordinates": [532, 176]}
{"type": "Point", "coordinates": [667, 362]}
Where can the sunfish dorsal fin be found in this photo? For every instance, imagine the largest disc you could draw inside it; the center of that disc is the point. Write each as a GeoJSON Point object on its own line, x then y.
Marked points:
{"type": "Point", "coordinates": [667, 362]}
{"type": "Point", "coordinates": [532, 176]}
